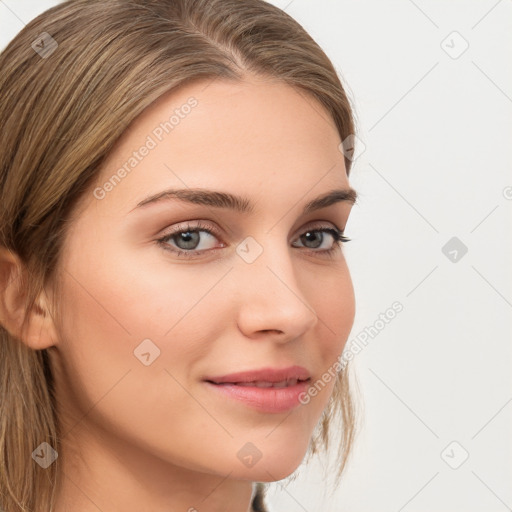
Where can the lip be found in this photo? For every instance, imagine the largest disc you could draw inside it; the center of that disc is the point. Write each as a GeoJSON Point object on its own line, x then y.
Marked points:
{"type": "Point", "coordinates": [263, 374]}
{"type": "Point", "coordinates": [237, 386]}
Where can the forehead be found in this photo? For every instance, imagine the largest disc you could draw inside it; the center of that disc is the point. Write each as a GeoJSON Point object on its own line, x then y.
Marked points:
{"type": "Point", "coordinates": [244, 136]}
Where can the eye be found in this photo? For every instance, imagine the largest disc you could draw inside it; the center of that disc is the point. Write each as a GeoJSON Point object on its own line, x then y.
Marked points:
{"type": "Point", "coordinates": [315, 238]}
{"type": "Point", "coordinates": [194, 240]}
{"type": "Point", "coordinates": [189, 240]}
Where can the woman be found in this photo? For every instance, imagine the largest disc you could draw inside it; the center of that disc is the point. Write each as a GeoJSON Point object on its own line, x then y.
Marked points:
{"type": "Point", "coordinates": [175, 299]}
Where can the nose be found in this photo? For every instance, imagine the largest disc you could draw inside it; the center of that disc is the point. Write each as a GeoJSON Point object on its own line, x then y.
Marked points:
{"type": "Point", "coordinates": [270, 298]}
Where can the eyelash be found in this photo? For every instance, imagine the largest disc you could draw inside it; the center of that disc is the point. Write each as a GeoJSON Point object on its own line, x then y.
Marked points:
{"type": "Point", "coordinates": [334, 232]}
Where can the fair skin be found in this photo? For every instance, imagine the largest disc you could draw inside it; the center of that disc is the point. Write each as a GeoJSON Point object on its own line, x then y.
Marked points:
{"type": "Point", "coordinates": [156, 438]}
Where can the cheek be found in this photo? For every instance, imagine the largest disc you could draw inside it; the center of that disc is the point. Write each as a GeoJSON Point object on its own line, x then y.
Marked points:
{"type": "Point", "coordinates": [334, 303]}
{"type": "Point", "coordinates": [119, 313]}
{"type": "Point", "coordinates": [130, 338]}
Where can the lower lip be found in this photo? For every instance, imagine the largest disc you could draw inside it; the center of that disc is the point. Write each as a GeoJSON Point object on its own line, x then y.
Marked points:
{"type": "Point", "coordinates": [271, 400]}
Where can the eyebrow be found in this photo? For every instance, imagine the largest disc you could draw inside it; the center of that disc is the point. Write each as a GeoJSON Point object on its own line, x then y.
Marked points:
{"type": "Point", "coordinates": [238, 203]}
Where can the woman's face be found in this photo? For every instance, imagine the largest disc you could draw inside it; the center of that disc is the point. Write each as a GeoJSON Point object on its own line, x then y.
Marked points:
{"type": "Point", "coordinates": [144, 332]}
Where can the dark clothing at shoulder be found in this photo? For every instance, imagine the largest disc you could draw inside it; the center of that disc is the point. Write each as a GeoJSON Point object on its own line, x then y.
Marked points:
{"type": "Point", "coordinates": [258, 503]}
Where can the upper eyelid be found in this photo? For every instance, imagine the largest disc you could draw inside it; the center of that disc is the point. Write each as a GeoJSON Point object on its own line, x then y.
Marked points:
{"type": "Point", "coordinates": [202, 226]}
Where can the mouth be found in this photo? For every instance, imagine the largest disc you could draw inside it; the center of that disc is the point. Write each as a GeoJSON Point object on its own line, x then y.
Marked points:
{"type": "Point", "coordinates": [267, 377]}
{"type": "Point", "coordinates": [262, 383]}
{"type": "Point", "coordinates": [266, 390]}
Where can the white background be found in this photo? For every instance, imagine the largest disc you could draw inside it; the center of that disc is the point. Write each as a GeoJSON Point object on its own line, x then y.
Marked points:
{"type": "Point", "coordinates": [437, 129]}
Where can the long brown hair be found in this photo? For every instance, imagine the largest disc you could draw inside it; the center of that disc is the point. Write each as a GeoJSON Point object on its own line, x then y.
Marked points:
{"type": "Point", "coordinates": [71, 82]}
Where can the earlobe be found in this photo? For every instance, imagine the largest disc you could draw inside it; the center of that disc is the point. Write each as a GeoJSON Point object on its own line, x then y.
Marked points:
{"type": "Point", "coordinates": [38, 332]}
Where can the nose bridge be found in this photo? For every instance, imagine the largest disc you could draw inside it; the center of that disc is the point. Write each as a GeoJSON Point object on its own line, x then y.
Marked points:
{"type": "Point", "coordinates": [270, 295]}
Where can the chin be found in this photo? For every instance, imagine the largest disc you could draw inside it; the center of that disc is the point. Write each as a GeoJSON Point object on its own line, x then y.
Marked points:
{"type": "Point", "coordinates": [273, 466]}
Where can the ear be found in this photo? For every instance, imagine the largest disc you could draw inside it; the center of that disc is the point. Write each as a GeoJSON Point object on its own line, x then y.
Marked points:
{"type": "Point", "coordinates": [39, 332]}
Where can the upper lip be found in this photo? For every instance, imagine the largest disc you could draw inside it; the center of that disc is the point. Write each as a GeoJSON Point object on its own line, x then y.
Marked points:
{"type": "Point", "coordinates": [263, 375]}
